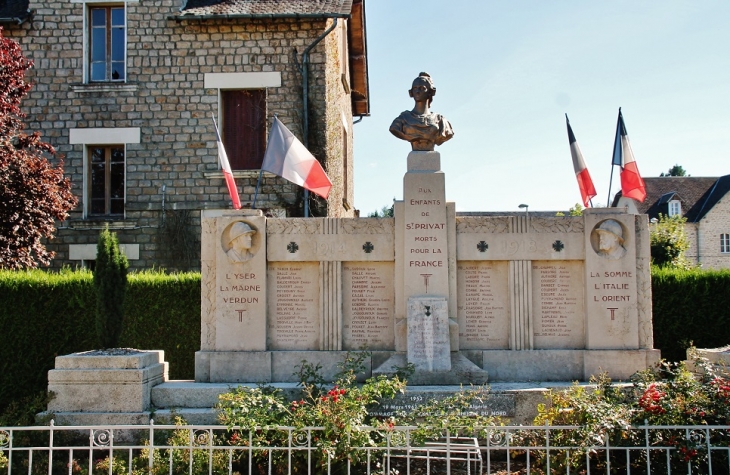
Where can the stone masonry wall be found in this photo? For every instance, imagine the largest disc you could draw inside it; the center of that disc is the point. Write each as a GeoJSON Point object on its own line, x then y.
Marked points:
{"type": "Point", "coordinates": [165, 97]}
{"type": "Point", "coordinates": [716, 222]}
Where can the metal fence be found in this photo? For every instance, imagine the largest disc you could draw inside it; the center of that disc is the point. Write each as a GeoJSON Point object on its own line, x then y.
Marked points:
{"type": "Point", "coordinates": [189, 449]}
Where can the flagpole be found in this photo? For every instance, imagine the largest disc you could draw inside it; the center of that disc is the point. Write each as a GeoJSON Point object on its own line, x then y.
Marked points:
{"type": "Point", "coordinates": [261, 173]}
{"type": "Point", "coordinates": [258, 184]}
{"type": "Point", "coordinates": [608, 200]}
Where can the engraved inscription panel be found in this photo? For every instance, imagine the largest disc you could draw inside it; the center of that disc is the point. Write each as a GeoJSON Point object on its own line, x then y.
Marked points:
{"type": "Point", "coordinates": [483, 305]}
{"type": "Point", "coordinates": [558, 304]}
{"type": "Point", "coordinates": [368, 297]}
{"type": "Point", "coordinates": [293, 297]}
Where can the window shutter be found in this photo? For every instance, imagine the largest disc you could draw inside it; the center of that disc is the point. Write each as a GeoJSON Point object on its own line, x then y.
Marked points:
{"type": "Point", "coordinates": [244, 127]}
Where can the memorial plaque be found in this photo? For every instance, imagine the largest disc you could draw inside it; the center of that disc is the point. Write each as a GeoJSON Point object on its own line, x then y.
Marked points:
{"type": "Point", "coordinates": [494, 405]}
{"type": "Point", "coordinates": [293, 306]}
{"type": "Point", "coordinates": [483, 305]}
{"type": "Point", "coordinates": [558, 304]}
{"type": "Point", "coordinates": [368, 295]}
{"type": "Point", "coordinates": [429, 347]}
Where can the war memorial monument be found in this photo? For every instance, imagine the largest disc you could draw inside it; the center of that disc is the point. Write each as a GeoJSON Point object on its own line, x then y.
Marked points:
{"type": "Point", "coordinates": [460, 299]}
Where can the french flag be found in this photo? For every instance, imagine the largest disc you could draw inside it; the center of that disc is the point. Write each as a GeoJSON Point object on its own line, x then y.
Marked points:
{"type": "Point", "coordinates": [226, 167]}
{"type": "Point", "coordinates": [632, 185]}
{"type": "Point", "coordinates": [288, 158]}
{"type": "Point", "coordinates": [585, 183]}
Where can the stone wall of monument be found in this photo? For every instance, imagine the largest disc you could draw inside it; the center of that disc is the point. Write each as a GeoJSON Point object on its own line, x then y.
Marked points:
{"type": "Point", "coordinates": [313, 288]}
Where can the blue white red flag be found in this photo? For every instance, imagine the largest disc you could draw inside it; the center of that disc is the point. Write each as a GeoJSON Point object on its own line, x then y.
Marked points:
{"type": "Point", "coordinates": [288, 158]}
{"type": "Point", "coordinates": [585, 183]}
{"type": "Point", "coordinates": [632, 185]}
{"type": "Point", "coordinates": [226, 167]}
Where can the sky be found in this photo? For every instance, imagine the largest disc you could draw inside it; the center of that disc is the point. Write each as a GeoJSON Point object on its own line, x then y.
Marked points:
{"type": "Point", "coordinates": [507, 72]}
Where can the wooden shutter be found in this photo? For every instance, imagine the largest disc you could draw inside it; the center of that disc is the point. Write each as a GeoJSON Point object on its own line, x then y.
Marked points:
{"type": "Point", "coordinates": [244, 127]}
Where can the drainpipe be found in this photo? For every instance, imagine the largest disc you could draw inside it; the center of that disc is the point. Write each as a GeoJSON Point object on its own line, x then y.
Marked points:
{"type": "Point", "coordinates": [697, 232]}
{"type": "Point", "coordinates": [305, 98]}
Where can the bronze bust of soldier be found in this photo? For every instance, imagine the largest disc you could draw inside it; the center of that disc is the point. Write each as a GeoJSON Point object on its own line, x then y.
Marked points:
{"type": "Point", "coordinates": [421, 127]}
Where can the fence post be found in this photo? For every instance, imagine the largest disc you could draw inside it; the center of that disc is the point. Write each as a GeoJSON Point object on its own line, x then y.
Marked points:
{"type": "Point", "coordinates": [50, 450]}
{"type": "Point", "coordinates": [150, 459]}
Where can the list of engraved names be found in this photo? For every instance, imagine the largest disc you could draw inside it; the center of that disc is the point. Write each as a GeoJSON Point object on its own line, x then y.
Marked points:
{"type": "Point", "coordinates": [368, 305]}
{"type": "Point", "coordinates": [559, 305]}
{"type": "Point", "coordinates": [294, 307]}
{"type": "Point", "coordinates": [482, 310]}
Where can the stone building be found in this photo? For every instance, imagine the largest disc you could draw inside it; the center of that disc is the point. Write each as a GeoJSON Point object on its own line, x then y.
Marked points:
{"type": "Point", "coordinates": [705, 203]}
{"type": "Point", "coordinates": [125, 92]}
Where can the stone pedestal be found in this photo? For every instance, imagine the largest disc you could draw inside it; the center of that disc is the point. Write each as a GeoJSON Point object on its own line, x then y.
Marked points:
{"type": "Point", "coordinates": [113, 381]}
{"type": "Point", "coordinates": [425, 234]}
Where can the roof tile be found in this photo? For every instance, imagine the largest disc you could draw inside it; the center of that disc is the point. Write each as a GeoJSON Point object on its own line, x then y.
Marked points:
{"type": "Point", "coordinates": [698, 194]}
{"type": "Point", "coordinates": [253, 8]}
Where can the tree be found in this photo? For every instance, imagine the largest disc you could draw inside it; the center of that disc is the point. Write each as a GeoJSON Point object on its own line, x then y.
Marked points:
{"type": "Point", "coordinates": [110, 283]}
{"type": "Point", "coordinates": [385, 212]}
{"type": "Point", "coordinates": [669, 242]}
{"type": "Point", "coordinates": [33, 192]}
{"type": "Point", "coordinates": [576, 210]}
{"type": "Point", "coordinates": [676, 170]}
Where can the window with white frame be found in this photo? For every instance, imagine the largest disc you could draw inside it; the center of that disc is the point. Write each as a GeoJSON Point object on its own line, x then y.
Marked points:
{"type": "Point", "coordinates": [107, 43]}
{"type": "Point", "coordinates": [725, 243]}
{"type": "Point", "coordinates": [675, 208]}
{"type": "Point", "coordinates": [105, 167]}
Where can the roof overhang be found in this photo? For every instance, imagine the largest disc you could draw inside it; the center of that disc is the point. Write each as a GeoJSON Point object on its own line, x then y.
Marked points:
{"type": "Point", "coordinates": [253, 16]}
{"type": "Point", "coordinates": [357, 41]}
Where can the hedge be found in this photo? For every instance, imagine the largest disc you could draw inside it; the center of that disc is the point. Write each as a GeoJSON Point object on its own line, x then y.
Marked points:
{"type": "Point", "coordinates": [44, 314]}
{"type": "Point", "coordinates": [690, 306]}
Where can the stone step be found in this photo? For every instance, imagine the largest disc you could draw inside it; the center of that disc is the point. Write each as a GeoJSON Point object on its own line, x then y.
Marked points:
{"type": "Point", "coordinates": [195, 402]}
{"type": "Point", "coordinates": [189, 394]}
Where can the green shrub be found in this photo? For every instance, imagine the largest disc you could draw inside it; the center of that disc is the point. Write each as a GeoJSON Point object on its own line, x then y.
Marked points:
{"type": "Point", "coordinates": [690, 305]}
{"type": "Point", "coordinates": [608, 415]}
{"type": "Point", "coordinates": [110, 283]}
{"type": "Point", "coordinates": [46, 314]}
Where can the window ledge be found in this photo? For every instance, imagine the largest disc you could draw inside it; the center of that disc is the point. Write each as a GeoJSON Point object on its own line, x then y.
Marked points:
{"type": "Point", "coordinates": [238, 174]}
{"type": "Point", "coordinates": [104, 87]}
{"type": "Point", "coordinates": [100, 223]}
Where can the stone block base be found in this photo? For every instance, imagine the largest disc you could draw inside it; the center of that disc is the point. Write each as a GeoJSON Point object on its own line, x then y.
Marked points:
{"type": "Point", "coordinates": [268, 366]}
{"type": "Point", "coordinates": [113, 381]}
{"type": "Point", "coordinates": [562, 365]}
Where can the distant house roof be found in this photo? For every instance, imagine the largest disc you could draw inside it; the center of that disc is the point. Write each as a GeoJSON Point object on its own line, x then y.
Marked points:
{"type": "Point", "coordinates": [14, 11]}
{"type": "Point", "coordinates": [697, 194]}
{"type": "Point", "coordinates": [267, 8]}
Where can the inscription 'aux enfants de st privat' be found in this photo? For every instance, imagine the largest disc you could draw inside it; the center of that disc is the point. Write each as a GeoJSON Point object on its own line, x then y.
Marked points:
{"type": "Point", "coordinates": [421, 255]}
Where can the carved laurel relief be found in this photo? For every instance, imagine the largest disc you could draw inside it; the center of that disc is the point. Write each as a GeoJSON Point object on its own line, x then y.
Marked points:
{"type": "Point", "coordinates": [482, 224]}
{"type": "Point", "coordinates": [293, 226]}
{"type": "Point", "coordinates": [558, 224]}
{"type": "Point", "coordinates": [209, 296]}
{"type": "Point", "coordinates": [368, 225]}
